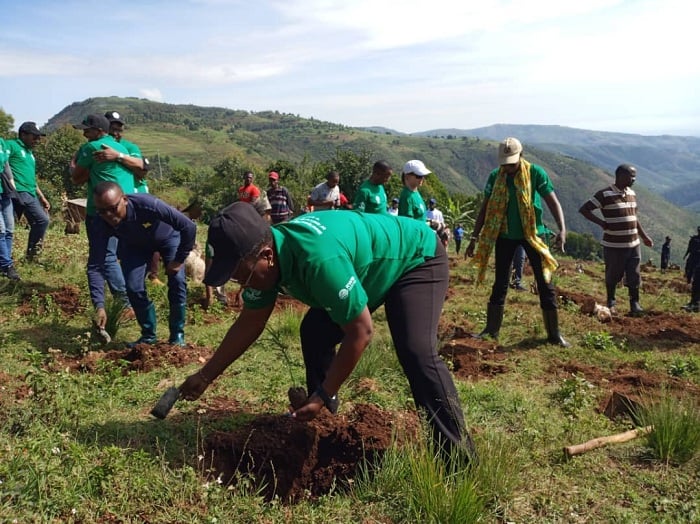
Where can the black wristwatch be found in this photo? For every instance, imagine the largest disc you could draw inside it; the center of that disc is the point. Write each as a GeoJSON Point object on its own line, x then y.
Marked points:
{"type": "Point", "coordinates": [331, 403]}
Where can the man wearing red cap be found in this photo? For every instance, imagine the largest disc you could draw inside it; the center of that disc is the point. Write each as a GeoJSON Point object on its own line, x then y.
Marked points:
{"type": "Point", "coordinates": [280, 199]}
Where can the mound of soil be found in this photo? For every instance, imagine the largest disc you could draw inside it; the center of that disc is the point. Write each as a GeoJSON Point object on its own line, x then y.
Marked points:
{"type": "Point", "coordinates": [294, 460]}
{"type": "Point", "coordinates": [626, 386]}
{"type": "Point", "coordinates": [143, 357]}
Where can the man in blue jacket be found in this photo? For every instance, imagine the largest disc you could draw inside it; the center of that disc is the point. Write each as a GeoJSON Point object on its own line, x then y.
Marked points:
{"type": "Point", "coordinates": [143, 224]}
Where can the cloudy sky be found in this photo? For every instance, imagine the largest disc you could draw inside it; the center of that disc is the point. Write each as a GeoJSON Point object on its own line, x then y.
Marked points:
{"type": "Point", "coordinates": [414, 65]}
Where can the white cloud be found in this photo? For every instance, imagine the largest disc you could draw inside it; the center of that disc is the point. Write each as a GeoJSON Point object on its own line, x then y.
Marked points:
{"type": "Point", "coordinates": [408, 65]}
{"type": "Point", "coordinates": [151, 93]}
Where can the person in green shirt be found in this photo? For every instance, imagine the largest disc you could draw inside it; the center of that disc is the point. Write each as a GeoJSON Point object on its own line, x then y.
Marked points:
{"type": "Point", "coordinates": [28, 199]}
{"type": "Point", "coordinates": [511, 216]}
{"type": "Point", "coordinates": [410, 202]}
{"type": "Point", "coordinates": [135, 162]}
{"type": "Point", "coordinates": [371, 196]}
{"type": "Point", "coordinates": [88, 169]}
{"type": "Point", "coordinates": [344, 266]}
{"type": "Point", "coordinates": [7, 216]}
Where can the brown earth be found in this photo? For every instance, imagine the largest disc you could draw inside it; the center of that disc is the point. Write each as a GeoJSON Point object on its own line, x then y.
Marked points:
{"type": "Point", "coordinates": [294, 460]}
{"type": "Point", "coordinates": [66, 298]}
{"type": "Point", "coordinates": [143, 357]}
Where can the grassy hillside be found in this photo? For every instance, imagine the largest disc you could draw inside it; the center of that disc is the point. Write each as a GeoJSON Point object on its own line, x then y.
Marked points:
{"type": "Point", "coordinates": [202, 136]}
{"type": "Point", "coordinates": [79, 444]}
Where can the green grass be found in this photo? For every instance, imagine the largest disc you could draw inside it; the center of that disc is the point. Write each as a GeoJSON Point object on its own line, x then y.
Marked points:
{"type": "Point", "coordinates": [675, 434]}
{"type": "Point", "coordinates": [81, 447]}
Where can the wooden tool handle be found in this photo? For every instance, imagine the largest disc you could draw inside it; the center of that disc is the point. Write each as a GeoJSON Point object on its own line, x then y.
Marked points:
{"type": "Point", "coordinates": [604, 441]}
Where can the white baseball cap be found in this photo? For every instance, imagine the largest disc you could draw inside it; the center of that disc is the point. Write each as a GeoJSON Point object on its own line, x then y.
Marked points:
{"type": "Point", "coordinates": [416, 167]}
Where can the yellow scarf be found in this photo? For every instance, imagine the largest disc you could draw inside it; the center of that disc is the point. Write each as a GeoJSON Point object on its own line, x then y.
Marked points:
{"type": "Point", "coordinates": [495, 221]}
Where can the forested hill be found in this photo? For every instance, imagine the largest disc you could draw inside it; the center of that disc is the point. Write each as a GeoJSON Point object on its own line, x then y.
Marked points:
{"type": "Point", "coordinates": [200, 137]}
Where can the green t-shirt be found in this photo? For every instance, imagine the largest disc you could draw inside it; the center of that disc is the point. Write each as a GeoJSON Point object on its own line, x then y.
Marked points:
{"type": "Point", "coordinates": [411, 204]}
{"type": "Point", "coordinates": [103, 171]}
{"type": "Point", "coordinates": [344, 261]}
{"type": "Point", "coordinates": [23, 166]}
{"type": "Point", "coordinates": [3, 159]}
{"type": "Point", "coordinates": [140, 186]}
{"type": "Point", "coordinates": [540, 184]}
{"type": "Point", "coordinates": [370, 198]}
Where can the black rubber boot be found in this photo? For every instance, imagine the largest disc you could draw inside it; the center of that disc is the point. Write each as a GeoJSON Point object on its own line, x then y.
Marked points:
{"type": "Point", "coordinates": [494, 319]}
{"type": "Point", "coordinates": [635, 308]}
{"type": "Point", "coordinates": [551, 324]}
{"type": "Point", "coordinates": [694, 305]}
{"type": "Point", "coordinates": [611, 297]}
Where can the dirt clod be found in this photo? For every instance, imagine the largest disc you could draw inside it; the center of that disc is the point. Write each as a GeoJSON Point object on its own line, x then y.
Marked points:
{"type": "Point", "coordinates": [297, 396]}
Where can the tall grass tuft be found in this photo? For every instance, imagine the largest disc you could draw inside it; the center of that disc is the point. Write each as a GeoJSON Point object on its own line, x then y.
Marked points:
{"type": "Point", "coordinates": [675, 437]}
{"type": "Point", "coordinates": [115, 310]}
{"type": "Point", "coordinates": [500, 468]}
{"type": "Point", "coordinates": [417, 486]}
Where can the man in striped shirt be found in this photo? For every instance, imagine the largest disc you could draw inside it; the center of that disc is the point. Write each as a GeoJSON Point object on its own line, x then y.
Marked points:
{"type": "Point", "coordinates": [621, 234]}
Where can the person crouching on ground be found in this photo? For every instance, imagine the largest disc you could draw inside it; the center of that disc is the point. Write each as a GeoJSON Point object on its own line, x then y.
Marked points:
{"type": "Point", "coordinates": [344, 266]}
{"type": "Point", "coordinates": [511, 216]}
{"type": "Point", "coordinates": [143, 224]}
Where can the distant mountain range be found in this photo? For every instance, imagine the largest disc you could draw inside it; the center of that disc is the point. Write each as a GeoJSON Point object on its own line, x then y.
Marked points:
{"type": "Point", "coordinates": [668, 165]}
{"type": "Point", "coordinates": [579, 162]}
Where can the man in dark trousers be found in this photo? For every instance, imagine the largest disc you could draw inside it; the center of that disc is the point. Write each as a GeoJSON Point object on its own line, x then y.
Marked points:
{"type": "Point", "coordinates": [344, 266]}
{"type": "Point", "coordinates": [692, 256]}
{"type": "Point", "coordinates": [511, 216]}
{"type": "Point", "coordinates": [28, 199]}
{"type": "Point", "coordinates": [143, 224]}
{"type": "Point", "coordinates": [665, 254]}
{"type": "Point", "coordinates": [621, 234]}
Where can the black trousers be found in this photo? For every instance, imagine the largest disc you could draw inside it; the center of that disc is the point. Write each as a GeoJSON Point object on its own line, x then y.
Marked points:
{"type": "Point", "coordinates": [505, 250]}
{"type": "Point", "coordinates": [413, 306]}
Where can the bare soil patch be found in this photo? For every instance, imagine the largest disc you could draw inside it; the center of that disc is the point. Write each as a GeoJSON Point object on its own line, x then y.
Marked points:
{"type": "Point", "coordinates": [143, 357]}
{"type": "Point", "coordinates": [12, 389]}
{"type": "Point", "coordinates": [626, 386]}
{"type": "Point", "coordinates": [295, 460]}
{"type": "Point", "coordinates": [67, 298]}
{"type": "Point", "coordinates": [473, 358]}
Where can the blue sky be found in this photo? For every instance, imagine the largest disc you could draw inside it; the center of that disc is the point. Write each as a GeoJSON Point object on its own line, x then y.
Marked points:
{"type": "Point", "coordinates": [414, 65]}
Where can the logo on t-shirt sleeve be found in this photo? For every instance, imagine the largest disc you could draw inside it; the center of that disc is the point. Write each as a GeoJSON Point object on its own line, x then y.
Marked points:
{"type": "Point", "coordinates": [345, 292]}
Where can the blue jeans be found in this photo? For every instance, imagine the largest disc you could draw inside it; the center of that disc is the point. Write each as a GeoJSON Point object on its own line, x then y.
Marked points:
{"type": "Point", "coordinates": [28, 205]}
{"type": "Point", "coordinates": [112, 270]}
{"type": "Point", "coordinates": [136, 264]}
{"type": "Point", "coordinates": [7, 230]}
{"type": "Point", "coordinates": [518, 264]}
